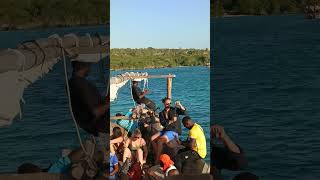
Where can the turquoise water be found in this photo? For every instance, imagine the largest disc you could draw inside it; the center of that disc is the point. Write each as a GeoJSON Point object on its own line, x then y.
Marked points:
{"type": "Point", "coordinates": [191, 87]}
{"type": "Point", "coordinates": [266, 84]}
{"type": "Point", "coordinates": [46, 126]}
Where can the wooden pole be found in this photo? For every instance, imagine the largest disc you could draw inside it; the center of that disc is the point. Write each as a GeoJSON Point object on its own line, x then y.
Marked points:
{"type": "Point", "coordinates": [169, 87]}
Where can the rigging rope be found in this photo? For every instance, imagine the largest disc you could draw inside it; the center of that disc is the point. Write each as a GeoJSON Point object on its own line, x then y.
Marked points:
{"type": "Point", "coordinates": [68, 92]}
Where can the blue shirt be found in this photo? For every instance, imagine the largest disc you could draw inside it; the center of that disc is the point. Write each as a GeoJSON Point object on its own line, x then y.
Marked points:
{"type": "Point", "coordinates": [128, 125]}
{"type": "Point", "coordinates": [113, 161]}
{"type": "Point", "coordinates": [62, 165]}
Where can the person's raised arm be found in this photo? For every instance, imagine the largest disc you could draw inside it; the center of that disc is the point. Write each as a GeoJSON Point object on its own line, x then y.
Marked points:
{"type": "Point", "coordinates": [217, 131]}
{"type": "Point", "coordinates": [143, 93]}
{"type": "Point", "coordinates": [178, 104]}
{"type": "Point", "coordinates": [181, 110]}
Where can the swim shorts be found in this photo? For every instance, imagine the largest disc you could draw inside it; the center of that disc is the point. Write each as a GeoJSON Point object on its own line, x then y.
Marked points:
{"type": "Point", "coordinates": [170, 134]}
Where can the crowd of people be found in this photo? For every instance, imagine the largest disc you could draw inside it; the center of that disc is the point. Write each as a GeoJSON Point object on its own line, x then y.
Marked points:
{"type": "Point", "coordinates": [148, 145]}
{"type": "Point", "coordinates": [152, 139]}
{"type": "Point", "coordinates": [144, 143]}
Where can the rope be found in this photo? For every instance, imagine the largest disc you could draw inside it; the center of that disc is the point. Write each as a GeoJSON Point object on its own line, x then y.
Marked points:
{"type": "Point", "coordinates": [68, 91]}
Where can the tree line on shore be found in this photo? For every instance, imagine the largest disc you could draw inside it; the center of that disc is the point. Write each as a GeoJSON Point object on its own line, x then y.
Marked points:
{"type": "Point", "coordinates": [156, 58]}
{"type": "Point", "coordinates": [258, 7]}
{"type": "Point", "coordinates": [15, 14]}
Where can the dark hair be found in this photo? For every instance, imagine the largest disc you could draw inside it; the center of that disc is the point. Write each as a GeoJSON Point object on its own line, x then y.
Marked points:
{"type": "Point", "coordinates": [173, 172]}
{"type": "Point", "coordinates": [116, 132]}
{"type": "Point", "coordinates": [186, 118]}
{"type": "Point", "coordinates": [77, 65]}
{"type": "Point", "coordinates": [161, 164]}
{"type": "Point", "coordinates": [246, 176]}
{"type": "Point", "coordinates": [28, 168]}
{"type": "Point", "coordinates": [119, 114]}
{"type": "Point", "coordinates": [164, 99]}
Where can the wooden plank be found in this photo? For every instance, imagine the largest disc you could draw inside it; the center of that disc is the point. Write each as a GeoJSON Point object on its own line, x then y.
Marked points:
{"type": "Point", "coordinates": [169, 87]}
{"type": "Point", "coordinates": [122, 117]}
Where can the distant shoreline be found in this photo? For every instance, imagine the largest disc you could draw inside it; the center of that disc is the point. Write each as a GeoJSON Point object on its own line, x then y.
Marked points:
{"type": "Point", "coordinates": [162, 67]}
{"type": "Point", "coordinates": [246, 15]}
{"type": "Point", "coordinates": [4, 28]}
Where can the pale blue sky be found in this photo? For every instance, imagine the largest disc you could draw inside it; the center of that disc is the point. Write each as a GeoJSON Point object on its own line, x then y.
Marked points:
{"type": "Point", "coordinates": [160, 23]}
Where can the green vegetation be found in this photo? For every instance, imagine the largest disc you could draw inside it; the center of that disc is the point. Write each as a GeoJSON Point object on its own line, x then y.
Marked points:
{"type": "Point", "coordinates": [256, 7]}
{"type": "Point", "coordinates": [48, 13]}
{"type": "Point", "coordinates": [156, 58]}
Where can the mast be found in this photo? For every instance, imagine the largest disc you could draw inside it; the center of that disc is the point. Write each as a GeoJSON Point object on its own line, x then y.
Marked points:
{"type": "Point", "coordinates": [169, 86]}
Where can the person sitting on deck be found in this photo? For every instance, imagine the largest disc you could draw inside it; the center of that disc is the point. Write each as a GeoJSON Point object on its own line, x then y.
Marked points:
{"type": "Point", "coordinates": [114, 163]}
{"type": "Point", "coordinates": [136, 148]}
{"type": "Point", "coordinates": [63, 164]}
{"type": "Point", "coordinates": [167, 164]}
{"type": "Point", "coordinates": [117, 142]}
{"type": "Point", "coordinates": [195, 144]}
{"type": "Point", "coordinates": [128, 125]}
{"type": "Point", "coordinates": [169, 116]}
{"type": "Point", "coordinates": [89, 107]}
{"type": "Point", "coordinates": [230, 157]}
{"type": "Point", "coordinates": [140, 96]}
{"type": "Point", "coordinates": [172, 127]}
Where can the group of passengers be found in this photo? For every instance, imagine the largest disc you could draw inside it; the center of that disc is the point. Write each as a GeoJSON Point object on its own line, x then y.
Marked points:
{"type": "Point", "coordinates": [146, 129]}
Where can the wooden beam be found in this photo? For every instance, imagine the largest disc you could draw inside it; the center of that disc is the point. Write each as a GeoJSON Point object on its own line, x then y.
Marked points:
{"type": "Point", "coordinates": [169, 87]}
{"type": "Point", "coordinates": [122, 117]}
{"type": "Point", "coordinates": [153, 76]}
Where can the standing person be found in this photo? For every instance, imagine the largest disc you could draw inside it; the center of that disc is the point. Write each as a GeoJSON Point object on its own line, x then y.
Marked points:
{"type": "Point", "coordinates": [139, 96]}
{"type": "Point", "coordinates": [89, 107]}
{"type": "Point", "coordinates": [195, 144]}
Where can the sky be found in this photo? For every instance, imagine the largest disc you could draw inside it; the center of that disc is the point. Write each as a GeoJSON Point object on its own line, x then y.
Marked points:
{"type": "Point", "coordinates": [160, 24]}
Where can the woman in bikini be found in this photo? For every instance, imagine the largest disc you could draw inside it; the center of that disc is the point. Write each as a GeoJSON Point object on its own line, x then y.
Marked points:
{"type": "Point", "coordinates": [136, 148]}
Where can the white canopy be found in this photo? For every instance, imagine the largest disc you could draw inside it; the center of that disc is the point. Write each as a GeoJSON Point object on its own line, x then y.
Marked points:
{"type": "Point", "coordinates": [30, 61]}
{"type": "Point", "coordinates": [120, 80]}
